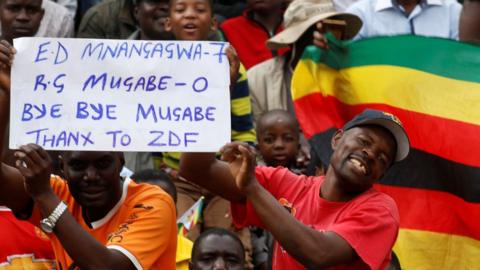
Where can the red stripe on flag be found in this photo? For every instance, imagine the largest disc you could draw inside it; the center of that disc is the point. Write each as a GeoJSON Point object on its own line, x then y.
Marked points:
{"type": "Point", "coordinates": [434, 211]}
{"type": "Point", "coordinates": [449, 139]}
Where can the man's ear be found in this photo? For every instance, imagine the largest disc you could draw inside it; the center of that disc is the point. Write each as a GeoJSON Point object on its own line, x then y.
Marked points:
{"type": "Point", "coordinates": [336, 138]}
{"type": "Point", "coordinates": [168, 25]}
{"type": "Point", "coordinates": [214, 25]}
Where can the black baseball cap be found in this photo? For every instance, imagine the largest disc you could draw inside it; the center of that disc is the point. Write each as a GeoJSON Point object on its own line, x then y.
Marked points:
{"type": "Point", "coordinates": [387, 121]}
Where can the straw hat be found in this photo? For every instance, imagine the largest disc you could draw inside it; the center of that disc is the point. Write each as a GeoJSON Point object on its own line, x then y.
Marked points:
{"type": "Point", "coordinates": [301, 14]}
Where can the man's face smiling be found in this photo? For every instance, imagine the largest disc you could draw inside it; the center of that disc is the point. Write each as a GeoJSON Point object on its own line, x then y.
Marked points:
{"type": "Point", "coordinates": [93, 179]}
{"type": "Point", "coordinates": [151, 16]}
{"type": "Point", "coordinates": [361, 156]}
{"type": "Point", "coordinates": [20, 18]}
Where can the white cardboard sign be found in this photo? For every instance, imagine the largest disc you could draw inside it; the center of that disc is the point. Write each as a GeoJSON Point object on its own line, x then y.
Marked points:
{"type": "Point", "coordinates": [120, 95]}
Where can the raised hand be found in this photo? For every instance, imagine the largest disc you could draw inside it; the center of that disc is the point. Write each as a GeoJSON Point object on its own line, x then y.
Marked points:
{"type": "Point", "coordinates": [35, 165]}
{"type": "Point", "coordinates": [319, 39]}
{"type": "Point", "coordinates": [241, 159]}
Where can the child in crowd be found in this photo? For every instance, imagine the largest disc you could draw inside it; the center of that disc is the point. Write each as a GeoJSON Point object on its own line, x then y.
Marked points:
{"type": "Point", "coordinates": [278, 145]}
{"type": "Point", "coordinates": [193, 20]}
{"type": "Point", "coordinates": [278, 139]}
{"type": "Point", "coordinates": [249, 32]}
{"type": "Point", "coordinates": [278, 136]}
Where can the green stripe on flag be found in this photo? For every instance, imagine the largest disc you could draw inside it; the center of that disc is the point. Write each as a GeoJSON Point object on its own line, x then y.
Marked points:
{"type": "Point", "coordinates": [413, 52]}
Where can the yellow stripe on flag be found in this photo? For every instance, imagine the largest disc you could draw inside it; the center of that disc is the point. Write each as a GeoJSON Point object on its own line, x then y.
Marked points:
{"type": "Point", "coordinates": [429, 250]}
{"type": "Point", "coordinates": [396, 86]}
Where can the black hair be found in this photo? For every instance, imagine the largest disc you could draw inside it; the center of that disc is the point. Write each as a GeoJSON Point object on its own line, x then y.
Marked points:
{"type": "Point", "coordinates": [210, 5]}
{"type": "Point", "coordinates": [157, 177]}
{"type": "Point", "coordinates": [136, 2]}
{"type": "Point", "coordinates": [219, 232]}
{"type": "Point", "coordinates": [277, 112]}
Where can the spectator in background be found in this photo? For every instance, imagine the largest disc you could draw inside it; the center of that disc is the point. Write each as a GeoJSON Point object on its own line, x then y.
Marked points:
{"type": "Point", "coordinates": [249, 32]}
{"type": "Point", "coordinates": [470, 22]}
{"type": "Point", "coordinates": [217, 249]}
{"type": "Point", "coordinates": [278, 137]}
{"type": "Point", "coordinates": [43, 19]}
{"type": "Point", "coordinates": [269, 82]}
{"type": "Point", "coordinates": [435, 18]}
{"type": "Point", "coordinates": [111, 19]}
{"type": "Point", "coordinates": [151, 16]}
{"type": "Point", "coordinates": [20, 18]}
{"type": "Point", "coordinates": [226, 9]}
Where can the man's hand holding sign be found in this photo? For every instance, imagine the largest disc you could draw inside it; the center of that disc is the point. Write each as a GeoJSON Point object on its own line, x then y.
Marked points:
{"type": "Point", "coordinates": [109, 96]}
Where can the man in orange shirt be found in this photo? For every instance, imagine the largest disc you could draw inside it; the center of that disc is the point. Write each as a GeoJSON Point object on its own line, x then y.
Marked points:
{"type": "Point", "coordinates": [95, 219]}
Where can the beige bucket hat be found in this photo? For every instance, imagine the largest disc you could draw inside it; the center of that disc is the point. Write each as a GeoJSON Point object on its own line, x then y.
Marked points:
{"type": "Point", "coordinates": [301, 14]}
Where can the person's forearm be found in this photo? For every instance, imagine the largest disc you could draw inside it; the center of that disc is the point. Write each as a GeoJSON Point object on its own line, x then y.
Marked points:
{"type": "Point", "coordinates": [296, 238]}
{"type": "Point", "coordinates": [196, 166]}
{"type": "Point", "coordinates": [205, 170]}
{"type": "Point", "coordinates": [86, 251]}
{"type": "Point", "coordinates": [12, 192]}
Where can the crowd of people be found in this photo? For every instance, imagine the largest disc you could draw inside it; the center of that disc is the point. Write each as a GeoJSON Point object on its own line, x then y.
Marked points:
{"type": "Point", "coordinates": [268, 203]}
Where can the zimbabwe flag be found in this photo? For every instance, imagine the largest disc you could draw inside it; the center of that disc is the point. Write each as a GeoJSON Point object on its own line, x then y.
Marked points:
{"type": "Point", "coordinates": [433, 86]}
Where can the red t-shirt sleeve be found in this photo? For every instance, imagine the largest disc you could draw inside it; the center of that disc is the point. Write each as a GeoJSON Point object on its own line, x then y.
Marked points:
{"type": "Point", "coordinates": [371, 230]}
{"type": "Point", "coordinates": [277, 181]}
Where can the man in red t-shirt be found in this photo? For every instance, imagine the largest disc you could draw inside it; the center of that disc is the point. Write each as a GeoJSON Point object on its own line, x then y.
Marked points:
{"type": "Point", "coordinates": [338, 220]}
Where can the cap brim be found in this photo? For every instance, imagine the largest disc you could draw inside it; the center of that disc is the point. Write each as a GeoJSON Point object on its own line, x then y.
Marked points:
{"type": "Point", "coordinates": [403, 143]}
{"type": "Point", "coordinates": [292, 33]}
